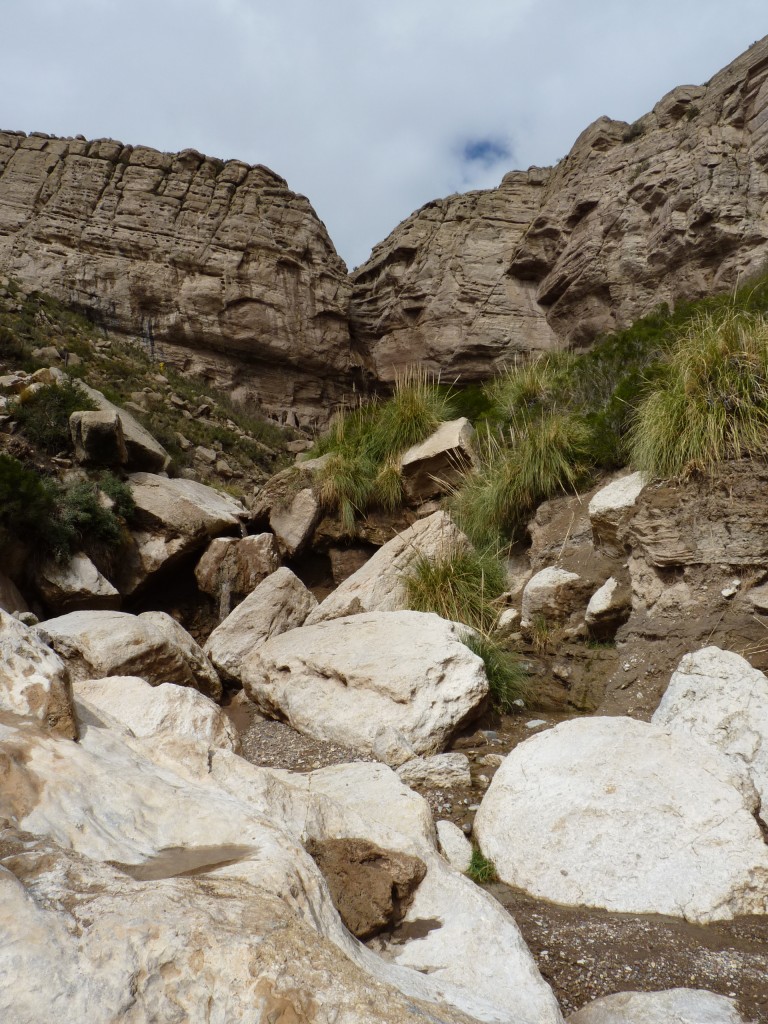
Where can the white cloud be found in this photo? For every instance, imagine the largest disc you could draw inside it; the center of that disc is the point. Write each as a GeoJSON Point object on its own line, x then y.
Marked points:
{"type": "Point", "coordinates": [366, 108]}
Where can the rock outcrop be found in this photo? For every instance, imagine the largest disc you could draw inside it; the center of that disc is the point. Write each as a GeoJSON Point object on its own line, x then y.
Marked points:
{"type": "Point", "coordinates": [671, 206]}
{"type": "Point", "coordinates": [231, 273]}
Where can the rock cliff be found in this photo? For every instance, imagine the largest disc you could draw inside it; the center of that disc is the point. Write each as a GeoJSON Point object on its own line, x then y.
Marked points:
{"type": "Point", "coordinates": [232, 272]}
{"type": "Point", "coordinates": [672, 206]}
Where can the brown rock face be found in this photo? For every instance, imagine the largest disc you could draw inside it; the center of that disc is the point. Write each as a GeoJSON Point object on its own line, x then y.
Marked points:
{"type": "Point", "coordinates": [673, 206]}
{"type": "Point", "coordinates": [234, 272]}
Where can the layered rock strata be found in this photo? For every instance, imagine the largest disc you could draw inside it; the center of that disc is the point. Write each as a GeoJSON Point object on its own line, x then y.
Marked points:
{"type": "Point", "coordinates": [673, 206]}
{"type": "Point", "coordinates": [231, 273]}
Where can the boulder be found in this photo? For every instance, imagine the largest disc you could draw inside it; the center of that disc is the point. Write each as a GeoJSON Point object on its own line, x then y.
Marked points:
{"type": "Point", "coordinates": [75, 585]}
{"type": "Point", "coordinates": [173, 519]}
{"type": "Point", "coordinates": [98, 438]}
{"type": "Point", "coordinates": [34, 681]}
{"type": "Point", "coordinates": [552, 595]}
{"type": "Point", "coordinates": [675, 1006]}
{"type": "Point", "coordinates": [279, 603]}
{"type": "Point", "coordinates": [293, 526]}
{"type": "Point", "coordinates": [231, 567]}
{"type": "Point", "coordinates": [716, 697]}
{"type": "Point", "coordinates": [611, 506]}
{"type": "Point", "coordinates": [151, 711]}
{"type": "Point", "coordinates": [436, 466]}
{"type": "Point", "coordinates": [143, 451]}
{"type": "Point", "coordinates": [441, 771]}
{"type": "Point", "coordinates": [608, 608]}
{"type": "Point", "coordinates": [391, 684]}
{"type": "Point", "coordinates": [152, 646]}
{"type": "Point", "coordinates": [615, 813]}
{"type": "Point", "coordinates": [11, 599]}
{"type": "Point", "coordinates": [377, 586]}
{"type": "Point", "coordinates": [454, 845]}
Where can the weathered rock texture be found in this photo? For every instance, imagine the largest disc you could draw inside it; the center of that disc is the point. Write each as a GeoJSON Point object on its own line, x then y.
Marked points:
{"type": "Point", "coordinates": [671, 206]}
{"type": "Point", "coordinates": [235, 272]}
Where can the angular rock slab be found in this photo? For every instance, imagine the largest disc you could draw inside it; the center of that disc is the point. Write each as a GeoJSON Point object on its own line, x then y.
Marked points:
{"type": "Point", "coordinates": [553, 595]}
{"type": "Point", "coordinates": [98, 438]}
{"type": "Point", "coordinates": [279, 603]}
{"type": "Point", "coordinates": [174, 518]}
{"type": "Point", "coordinates": [716, 697]}
{"type": "Point", "coordinates": [389, 684]}
{"type": "Point", "coordinates": [615, 813]}
{"type": "Point", "coordinates": [152, 646]}
{"type": "Point", "coordinates": [612, 505]}
{"type": "Point", "coordinates": [76, 585]}
{"type": "Point", "coordinates": [142, 450]}
{"type": "Point", "coordinates": [178, 711]}
{"type": "Point", "coordinates": [378, 586]}
{"type": "Point", "coordinates": [232, 567]}
{"type": "Point", "coordinates": [674, 1006]}
{"type": "Point", "coordinates": [437, 465]}
{"type": "Point", "coordinates": [34, 680]}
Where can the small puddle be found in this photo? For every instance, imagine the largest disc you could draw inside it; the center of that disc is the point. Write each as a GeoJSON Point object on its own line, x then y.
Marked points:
{"type": "Point", "coordinates": [182, 861]}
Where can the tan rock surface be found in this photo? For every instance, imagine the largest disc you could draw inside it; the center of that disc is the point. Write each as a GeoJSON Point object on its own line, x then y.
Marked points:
{"type": "Point", "coordinates": [34, 680]}
{"type": "Point", "coordinates": [673, 206]}
{"type": "Point", "coordinates": [235, 271]}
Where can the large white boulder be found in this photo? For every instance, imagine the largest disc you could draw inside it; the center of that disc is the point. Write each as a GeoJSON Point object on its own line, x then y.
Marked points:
{"type": "Point", "coordinates": [152, 711]}
{"type": "Point", "coordinates": [439, 463]}
{"type": "Point", "coordinates": [174, 517]}
{"type": "Point", "coordinates": [612, 505]}
{"type": "Point", "coordinates": [231, 567]}
{"type": "Point", "coordinates": [674, 1006]}
{"type": "Point", "coordinates": [152, 646]}
{"type": "Point", "coordinates": [552, 595]}
{"type": "Point", "coordinates": [615, 813]}
{"type": "Point", "coordinates": [391, 684]}
{"type": "Point", "coordinates": [34, 680]}
{"type": "Point", "coordinates": [378, 585]}
{"type": "Point", "coordinates": [279, 603]}
{"type": "Point", "coordinates": [74, 585]}
{"type": "Point", "coordinates": [716, 697]}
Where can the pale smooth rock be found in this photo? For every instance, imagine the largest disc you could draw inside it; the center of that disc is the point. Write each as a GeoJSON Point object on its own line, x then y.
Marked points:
{"type": "Point", "coordinates": [454, 845]}
{"type": "Point", "coordinates": [98, 437]}
{"type": "Point", "coordinates": [438, 465]}
{"type": "Point", "coordinates": [152, 646]}
{"type": "Point", "coordinates": [359, 680]}
{"type": "Point", "coordinates": [143, 451]}
{"type": "Point", "coordinates": [552, 594]}
{"type": "Point", "coordinates": [232, 567]}
{"type": "Point", "coordinates": [673, 1006]}
{"type": "Point", "coordinates": [609, 606]}
{"type": "Point", "coordinates": [615, 813]}
{"type": "Point", "coordinates": [293, 526]}
{"type": "Point", "coordinates": [279, 603]}
{"type": "Point", "coordinates": [611, 506]}
{"type": "Point", "coordinates": [716, 697]}
{"type": "Point", "coordinates": [11, 599]}
{"type": "Point", "coordinates": [378, 586]}
{"type": "Point", "coordinates": [444, 771]}
{"type": "Point", "coordinates": [74, 585]}
{"type": "Point", "coordinates": [150, 710]}
{"type": "Point", "coordinates": [34, 680]}
{"type": "Point", "coordinates": [507, 623]}
{"type": "Point", "coordinates": [174, 518]}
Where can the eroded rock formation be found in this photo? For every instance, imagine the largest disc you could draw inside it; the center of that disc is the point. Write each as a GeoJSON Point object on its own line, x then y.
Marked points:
{"type": "Point", "coordinates": [672, 206]}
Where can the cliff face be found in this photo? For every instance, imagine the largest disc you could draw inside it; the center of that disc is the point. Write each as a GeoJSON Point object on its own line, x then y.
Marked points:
{"type": "Point", "coordinates": [673, 206]}
{"type": "Point", "coordinates": [234, 271]}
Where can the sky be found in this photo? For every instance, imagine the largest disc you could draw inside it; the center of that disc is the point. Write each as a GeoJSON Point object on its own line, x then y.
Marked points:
{"type": "Point", "coordinates": [370, 109]}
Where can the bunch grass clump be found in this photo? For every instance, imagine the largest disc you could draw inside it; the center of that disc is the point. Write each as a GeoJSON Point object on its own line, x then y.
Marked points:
{"type": "Point", "coordinates": [481, 870]}
{"type": "Point", "coordinates": [711, 402]}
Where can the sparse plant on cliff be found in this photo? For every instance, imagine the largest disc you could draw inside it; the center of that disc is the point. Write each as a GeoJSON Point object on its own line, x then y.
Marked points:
{"type": "Point", "coordinates": [43, 416]}
{"type": "Point", "coordinates": [481, 870]}
{"type": "Point", "coordinates": [711, 403]}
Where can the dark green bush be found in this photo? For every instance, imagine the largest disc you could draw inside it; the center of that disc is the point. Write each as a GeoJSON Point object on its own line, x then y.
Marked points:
{"type": "Point", "coordinates": [43, 417]}
{"type": "Point", "coordinates": [27, 504]}
{"type": "Point", "coordinates": [120, 493]}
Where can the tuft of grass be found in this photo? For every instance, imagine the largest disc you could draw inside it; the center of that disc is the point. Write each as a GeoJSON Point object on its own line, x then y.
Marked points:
{"type": "Point", "coordinates": [459, 584]}
{"type": "Point", "coordinates": [507, 679]}
{"type": "Point", "coordinates": [43, 416]}
{"type": "Point", "coordinates": [711, 402]}
{"type": "Point", "coordinates": [481, 870]}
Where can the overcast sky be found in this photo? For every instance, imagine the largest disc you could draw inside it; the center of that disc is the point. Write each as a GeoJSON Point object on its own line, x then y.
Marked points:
{"type": "Point", "coordinates": [369, 108]}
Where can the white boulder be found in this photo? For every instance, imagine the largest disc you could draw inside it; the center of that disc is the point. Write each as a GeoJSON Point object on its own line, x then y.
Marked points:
{"type": "Point", "coordinates": [74, 585]}
{"type": "Point", "coordinates": [454, 845]}
{"type": "Point", "coordinates": [612, 505]}
{"type": "Point", "coordinates": [279, 603]}
{"type": "Point", "coordinates": [615, 813]}
{"type": "Point", "coordinates": [674, 1006]}
{"type": "Point", "coordinates": [553, 594]}
{"type": "Point", "coordinates": [439, 463]}
{"type": "Point", "coordinates": [716, 697]}
{"type": "Point", "coordinates": [391, 684]}
{"type": "Point", "coordinates": [378, 585]}
{"type": "Point", "coordinates": [34, 680]}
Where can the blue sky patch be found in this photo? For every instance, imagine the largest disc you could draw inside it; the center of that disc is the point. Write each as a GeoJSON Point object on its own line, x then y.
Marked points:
{"type": "Point", "coordinates": [486, 151]}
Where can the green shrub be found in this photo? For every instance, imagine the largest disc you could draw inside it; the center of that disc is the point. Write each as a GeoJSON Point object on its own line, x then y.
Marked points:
{"type": "Point", "coordinates": [120, 493]}
{"type": "Point", "coordinates": [507, 679]}
{"type": "Point", "coordinates": [711, 402]}
{"type": "Point", "coordinates": [27, 504]}
{"type": "Point", "coordinates": [43, 416]}
{"type": "Point", "coordinates": [480, 870]}
{"type": "Point", "coordinates": [82, 521]}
